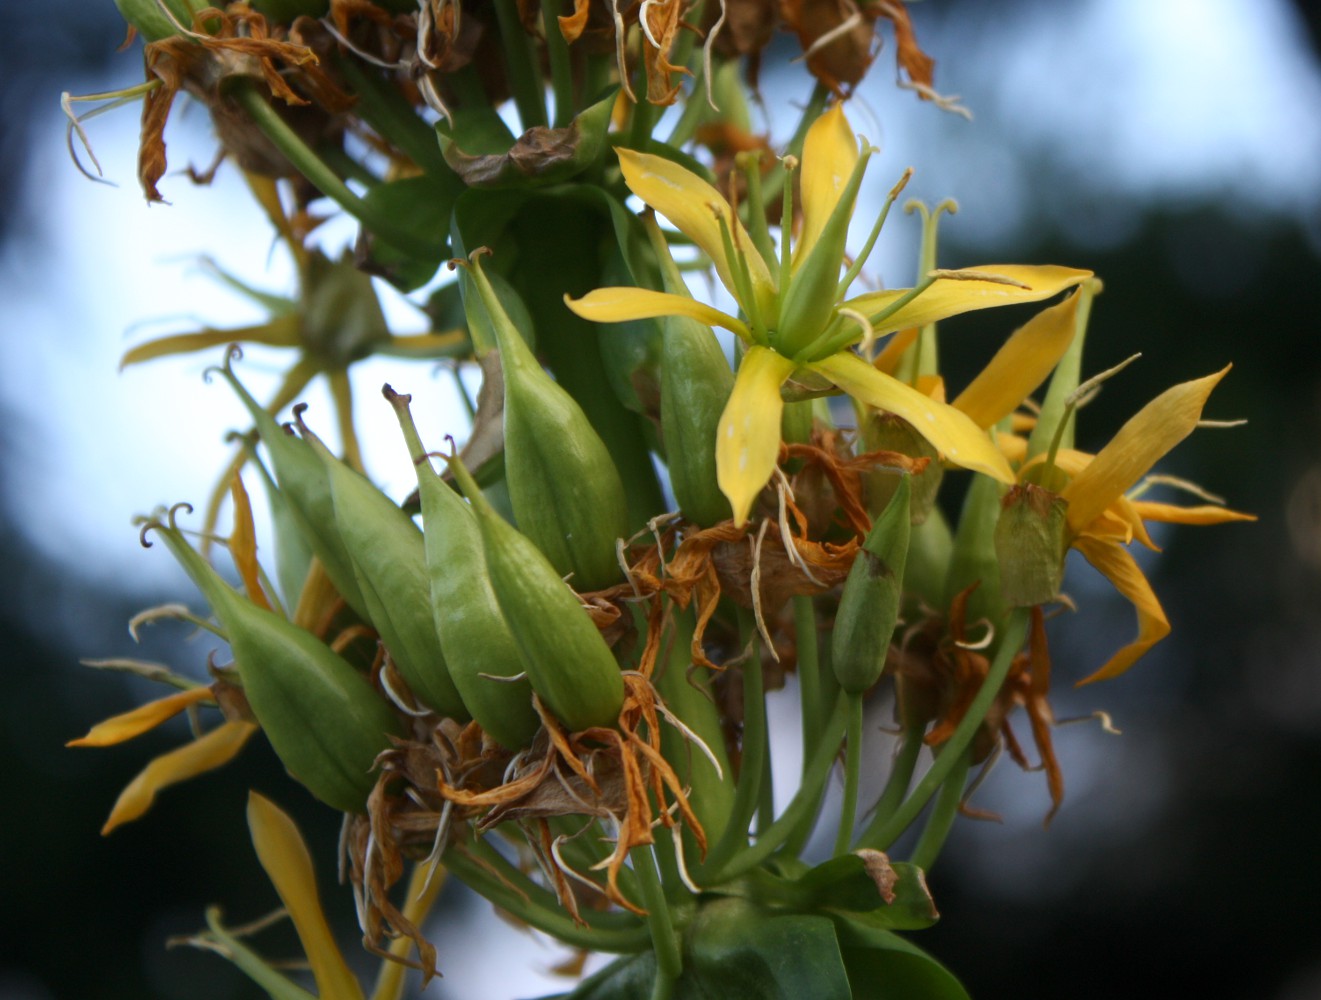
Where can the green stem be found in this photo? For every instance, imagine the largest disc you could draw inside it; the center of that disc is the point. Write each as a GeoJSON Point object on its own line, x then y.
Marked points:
{"type": "Point", "coordinates": [799, 810]}
{"type": "Point", "coordinates": [752, 768]}
{"type": "Point", "coordinates": [852, 765]}
{"type": "Point", "coordinates": [896, 786]}
{"type": "Point", "coordinates": [561, 71]}
{"type": "Point", "coordinates": [315, 170]}
{"type": "Point", "coordinates": [514, 892]}
{"type": "Point", "coordinates": [883, 835]}
{"type": "Point", "coordinates": [694, 111]}
{"type": "Point", "coordinates": [943, 811]}
{"type": "Point", "coordinates": [809, 670]}
{"type": "Point", "coordinates": [522, 66]}
{"type": "Point", "coordinates": [386, 110]}
{"type": "Point", "coordinates": [669, 963]}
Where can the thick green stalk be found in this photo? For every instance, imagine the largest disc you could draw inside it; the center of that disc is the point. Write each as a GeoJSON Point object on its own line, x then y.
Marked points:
{"type": "Point", "coordinates": [809, 670]}
{"type": "Point", "coordinates": [561, 71]}
{"type": "Point", "coordinates": [669, 962]}
{"type": "Point", "coordinates": [752, 770]}
{"type": "Point", "coordinates": [287, 141]}
{"type": "Point", "coordinates": [852, 765]}
{"type": "Point", "coordinates": [942, 814]}
{"type": "Point", "coordinates": [883, 835]}
{"type": "Point", "coordinates": [896, 786]}
{"type": "Point", "coordinates": [522, 66]}
{"type": "Point", "coordinates": [799, 810]}
{"type": "Point", "coordinates": [386, 110]}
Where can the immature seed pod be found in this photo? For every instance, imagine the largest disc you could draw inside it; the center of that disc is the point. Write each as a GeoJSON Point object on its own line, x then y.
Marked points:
{"type": "Point", "coordinates": [479, 648]}
{"type": "Point", "coordinates": [566, 492]}
{"type": "Point", "coordinates": [389, 559]}
{"type": "Point", "coordinates": [153, 23]}
{"type": "Point", "coordinates": [568, 664]}
{"type": "Point", "coordinates": [324, 719]}
{"type": "Point", "coordinates": [303, 481]}
{"type": "Point", "coordinates": [1030, 544]}
{"type": "Point", "coordinates": [869, 606]}
{"type": "Point", "coordinates": [696, 381]}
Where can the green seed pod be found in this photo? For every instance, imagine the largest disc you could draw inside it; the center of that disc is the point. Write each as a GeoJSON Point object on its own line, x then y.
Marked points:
{"type": "Point", "coordinates": [566, 492]}
{"type": "Point", "coordinates": [389, 558]}
{"type": "Point", "coordinates": [568, 664]}
{"type": "Point", "coordinates": [973, 559]}
{"type": "Point", "coordinates": [302, 479]}
{"type": "Point", "coordinates": [1030, 544]}
{"type": "Point", "coordinates": [869, 606]}
{"type": "Point", "coordinates": [325, 721]}
{"type": "Point", "coordinates": [929, 549]}
{"type": "Point", "coordinates": [477, 643]}
{"type": "Point", "coordinates": [695, 384]}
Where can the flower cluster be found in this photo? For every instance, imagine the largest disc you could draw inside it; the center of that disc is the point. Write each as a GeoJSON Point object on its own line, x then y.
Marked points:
{"type": "Point", "coordinates": [545, 672]}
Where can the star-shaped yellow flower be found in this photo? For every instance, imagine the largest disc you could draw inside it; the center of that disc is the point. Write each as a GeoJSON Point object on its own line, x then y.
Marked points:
{"type": "Point", "coordinates": [796, 313]}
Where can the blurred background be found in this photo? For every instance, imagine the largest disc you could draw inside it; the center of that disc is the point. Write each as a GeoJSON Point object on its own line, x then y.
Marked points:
{"type": "Point", "coordinates": [1172, 147]}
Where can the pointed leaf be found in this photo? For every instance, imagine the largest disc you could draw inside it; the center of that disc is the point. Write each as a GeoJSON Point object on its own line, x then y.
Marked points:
{"type": "Point", "coordinates": [694, 206]}
{"type": "Point", "coordinates": [284, 856]}
{"type": "Point", "coordinates": [137, 721]}
{"type": "Point", "coordinates": [748, 437]}
{"type": "Point", "coordinates": [1020, 365]}
{"type": "Point", "coordinates": [830, 151]}
{"type": "Point", "coordinates": [617, 305]}
{"type": "Point", "coordinates": [1118, 566]}
{"type": "Point", "coordinates": [952, 296]}
{"type": "Point", "coordinates": [960, 440]}
{"type": "Point", "coordinates": [1140, 444]}
{"type": "Point", "coordinates": [206, 753]}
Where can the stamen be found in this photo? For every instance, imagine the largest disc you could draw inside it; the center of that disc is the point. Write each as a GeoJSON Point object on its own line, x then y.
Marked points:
{"type": "Point", "coordinates": [1179, 484]}
{"type": "Point", "coordinates": [684, 875]}
{"type": "Point", "coordinates": [707, 70]}
{"type": "Point", "coordinates": [1221, 423]}
{"type": "Point", "coordinates": [1093, 383]}
{"type": "Point", "coordinates": [944, 102]}
{"type": "Point", "coordinates": [621, 61]}
{"type": "Point", "coordinates": [620, 547]}
{"type": "Point", "coordinates": [504, 678]}
{"type": "Point", "coordinates": [839, 31]}
{"type": "Point", "coordinates": [984, 642]}
{"type": "Point", "coordinates": [783, 491]}
{"type": "Point", "coordinates": [1104, 718]}
{"type": "Point", "coordinates": [856, 267]}
{"type": "Point", "coordinates": [397, 697]}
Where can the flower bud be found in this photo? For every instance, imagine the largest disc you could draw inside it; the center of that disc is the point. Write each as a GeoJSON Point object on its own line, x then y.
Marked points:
{"type": "Point", "coordinates": [481, 652]}
{"type": "Point", "coordinates": [1030, 544]}
{"type": "Point", "coordinates": [566, 492]}
{"type": "Point", "coordinates": [302, 479]}
{"type": "Point", "coordinates": [389, 560]}
{"type": "Point", "coordinates": [568, 663]}
{"type": "Point", "coordinates": [325, 721]}
{"type": "Point", "coordinates": [869, 606]}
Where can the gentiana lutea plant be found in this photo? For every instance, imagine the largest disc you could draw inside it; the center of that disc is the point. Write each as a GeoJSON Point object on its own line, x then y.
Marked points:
{"type": "Point", "coordinates": [545, 672]}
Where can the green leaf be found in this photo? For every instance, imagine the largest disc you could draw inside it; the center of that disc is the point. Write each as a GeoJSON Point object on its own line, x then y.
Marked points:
{"type": "Point", "coordinates": [423, 205]}
{"type": "Point", "coordinates": [883, 966]}
{"type": "Point", "coordinates": [736, 951]}
{"type": "Point", "coordinates": [485, 153]}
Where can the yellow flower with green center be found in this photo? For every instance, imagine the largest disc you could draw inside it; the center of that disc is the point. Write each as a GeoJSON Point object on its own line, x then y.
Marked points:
{"type": "Point", "coordinates": [796, 315]}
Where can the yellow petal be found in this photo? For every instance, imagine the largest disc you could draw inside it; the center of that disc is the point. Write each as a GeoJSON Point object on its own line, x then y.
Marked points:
{"type": "Point", "coordinates": [619, 305]}
{"type": "Point", "coordinates": [243, 544]}
{"type": "Point", "coordinates": [1020, 365]}
{"type": "Point", "coordinates": [283, 854]}
{"type": "Point", "coordinates": [693, 206]}
{"type": "Point", "coordinates": [279, 332]}
{"type": "Point", "coordinates": [748, 436]}
{"type": "Point", "coordinates": [137, 721]}
{"type": "Point", "coordinates": [1140, 444]}
{"type": "Point", "coordinates": [952, 296]}
{"type": "Point", "coordinates": [954, 435]}
{"type": "Point", "coordinates": [206, 753]}
{"type": "Point", "coordinates": [1119, 567]}
{"type": "Point", "coordinates": [830, 151]}
{"type": "Point", "coordinates": [1203, 514]}
{"type": "Point", "coordinates": [893, 352]}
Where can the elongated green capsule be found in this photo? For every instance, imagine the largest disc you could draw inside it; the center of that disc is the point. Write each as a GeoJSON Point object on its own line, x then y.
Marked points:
{"type": "Point", "coordinates": [566, 492]}
{"type": "Point", "coordinates": [696, 381]}
{"type": "Point", "coordinates": [973, 559]}
{"type": "Point", "coordinates": [869, 606]}
{"type": "Point", "coordinates": [483, 657]}
{"type": "Point", "coordinates": [568, 664]}
{"type": "Point", "coordinates": [303, 481]}
{"type": "Point", "coordinates": [389, 559]}
{"type": "Point", "coordinates": [325, 721]}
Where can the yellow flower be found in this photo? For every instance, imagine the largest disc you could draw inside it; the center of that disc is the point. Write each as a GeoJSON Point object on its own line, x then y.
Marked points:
{"type": "Point", "coordinates": [796, 314]}
{"type": "Point", "coordinates": [1102, 520]}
